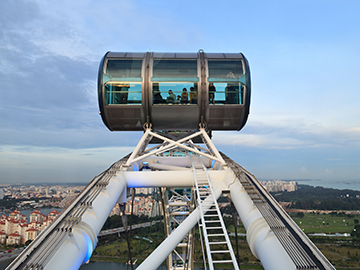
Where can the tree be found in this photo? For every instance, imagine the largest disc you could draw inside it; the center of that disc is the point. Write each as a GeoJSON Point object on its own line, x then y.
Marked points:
{"type": "Point", "coordinates": [356, 221]}
{"type": "Point", "coordinates": [28, 242]}
{"type": "Point", "coordinates": [300, 214]}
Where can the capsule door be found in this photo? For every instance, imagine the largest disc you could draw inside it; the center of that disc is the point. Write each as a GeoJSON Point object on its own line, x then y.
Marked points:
{"type": "Point", "coordinates": [174, 88]}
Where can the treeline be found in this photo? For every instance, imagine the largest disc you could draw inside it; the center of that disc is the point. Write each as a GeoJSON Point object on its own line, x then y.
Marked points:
{"type": "Point", "coordinates": [320, 198]}
{"type": "Point", "coordinates": [116, 222]}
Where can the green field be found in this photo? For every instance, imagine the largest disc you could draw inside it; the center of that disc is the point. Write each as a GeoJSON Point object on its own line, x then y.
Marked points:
{"type": "Point", "coordinates": [325, 223]}
{"type": "Point", "coordinates": [342, 252]}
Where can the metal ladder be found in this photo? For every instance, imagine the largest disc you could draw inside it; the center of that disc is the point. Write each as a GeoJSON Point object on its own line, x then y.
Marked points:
{"type": "Point", "coordinates": [217, 242]}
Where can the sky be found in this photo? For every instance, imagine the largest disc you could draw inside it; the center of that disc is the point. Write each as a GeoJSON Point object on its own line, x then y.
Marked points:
{"type": "Point", "coordinates": [304, 120]}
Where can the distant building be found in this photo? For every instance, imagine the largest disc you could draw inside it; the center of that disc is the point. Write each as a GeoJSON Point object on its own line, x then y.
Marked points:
{"type": "Point", "coordinates": [115, 210]}
{"type": "Point", "coordinates": [147, 206]}
{"type": "Point", "coordinates": [278, 185]}
{"type": "Point", "coordinates": [1, 194]}
{"type": "Point", "coordinates": [14, 229]}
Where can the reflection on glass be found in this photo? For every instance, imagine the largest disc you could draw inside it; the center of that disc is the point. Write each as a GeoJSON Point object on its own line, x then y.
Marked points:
{"type": "Point", "coordinates": [175, 68]}
{"type": "Point", "coordinates": [175, 81]}
{"type": "Point", "coordinates": [122, 93]}
{"type": "Point", "coordinates": [226, 93]}
{"type": "Point", "coordinates": [121, 68]}
{"type": "Point", "coordinates": [230, 68]}
{"type": "Point", "coordinates": [175, 93]}
{"type": "Point", "coordinates": [226, 81]}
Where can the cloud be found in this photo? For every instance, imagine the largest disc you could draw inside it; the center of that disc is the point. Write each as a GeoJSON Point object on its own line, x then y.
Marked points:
{"type": "Point", "coordinates": [328, 171]}
{"type": "Point", "coordinates": [272, 131]}
{"type": "Point", "coordinates": [29, 164]}
{"type": "Point", "coordinates": [354, 130]}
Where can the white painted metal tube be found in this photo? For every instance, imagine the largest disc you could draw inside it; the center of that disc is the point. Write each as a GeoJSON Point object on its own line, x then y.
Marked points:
{"type": "Point", "coordinates": [138, 147]}
{"type": "Point", "coordinates": [183, 178]}
{"type": "Point", "coordinates": [159, 166]}
{"type": "Point", "coordinates": [158, 256]}
{"type": "Point", "coordinates": [262, 241]}
{"type": "Point", "coordinates": [78, 247]}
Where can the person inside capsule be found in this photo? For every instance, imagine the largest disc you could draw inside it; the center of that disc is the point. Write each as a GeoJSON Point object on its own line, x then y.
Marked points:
{"type": "Point", "coordinates": [193, 95]}
{"type": "Point", "coordinates": [158, 99]}
{"type": "Point", "coordinates": [184, 97]}
{"type": "Point", "coordinates": [212, 91]}
{"type": "Point", "coordinates": [171, 98]}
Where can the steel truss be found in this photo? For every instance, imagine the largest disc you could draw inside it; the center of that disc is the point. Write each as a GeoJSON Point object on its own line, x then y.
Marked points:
{"type": "Point", "coordinates": [191, 178]}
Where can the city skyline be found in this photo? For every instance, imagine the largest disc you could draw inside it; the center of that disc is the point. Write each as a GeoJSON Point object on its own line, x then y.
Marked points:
{"type": "Point", "coordinates": [304, 114]}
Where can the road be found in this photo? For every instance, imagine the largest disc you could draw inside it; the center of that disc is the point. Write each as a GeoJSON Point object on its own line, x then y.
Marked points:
{"type": "Point", "coordinates": [121, 229]}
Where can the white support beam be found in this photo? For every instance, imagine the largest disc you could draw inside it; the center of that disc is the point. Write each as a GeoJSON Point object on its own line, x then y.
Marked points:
{"type": "Point", "coordinates": [179, 144]}
{"type": "Point", "coordinates": [262, 241]}
{"type": "Point", "coordinates": [212, 146]}
{"type": "Point", "coordinates": [78, 246]}
{"type": "Point", "coordinates": [138, 147]}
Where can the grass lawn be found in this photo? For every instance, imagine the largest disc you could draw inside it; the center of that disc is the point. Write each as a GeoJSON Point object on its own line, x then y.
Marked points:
{"type": "Point", "coordinates": [325, 223]}
{"type": "Point", "coordinates": [342, 252]}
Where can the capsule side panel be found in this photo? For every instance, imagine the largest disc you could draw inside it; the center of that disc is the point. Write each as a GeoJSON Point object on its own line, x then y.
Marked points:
{"type": "Point", "coordinates": [175, 117]}
{"type": "Point", "coordinates": [121, 98]}
{"type": "Point", "coordinates": [226, 117]}
{"type": "Point", "coordinates": [228, 90]}
{"type": "Point", "coordinates": [101, 93]}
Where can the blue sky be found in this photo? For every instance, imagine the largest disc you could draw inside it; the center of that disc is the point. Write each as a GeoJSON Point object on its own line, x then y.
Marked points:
{"type": "Point", "coordinates": [304, 59]}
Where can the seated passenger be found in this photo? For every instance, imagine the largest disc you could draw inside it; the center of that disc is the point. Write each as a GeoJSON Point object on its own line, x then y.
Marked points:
{"type": "Point", "coordinates": [157, 99]}
{"type": "Point", "coordinates": [212, 91]}
{"type": "Point", "coordinates": [171, 98]}
{"type": "Point", "coordinates": [193, 95]}
{"type": "Point", "coordinates": [184, 97]}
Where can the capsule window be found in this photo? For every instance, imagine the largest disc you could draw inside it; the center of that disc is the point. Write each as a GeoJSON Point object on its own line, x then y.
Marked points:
{"type": "Point", "coordinates": [126, 93]}
{"type": "Point", "coordinates": [221, 93]}
{"type": "Point", "coordinates": [123, 68]}
{"type": "Point", "coordinates": [122, 82]}
{"type": "Point", "coordinates": [226, 81]}
{"type": "Point", "coordinates": [175, 81]}
{"type": "Point", "coordinates": [175, 93]}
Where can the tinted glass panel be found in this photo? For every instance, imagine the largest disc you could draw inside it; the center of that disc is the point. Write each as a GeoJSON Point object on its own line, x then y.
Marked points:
{"type": "Point", "coordinates": [226, 93]}
{"type": "Point", "coordinates": [225, 68]}
{"type": "Point", "coordinates": [172, 68]}
{"type": "Point", "coordinates": [226, 81]}
{"type": "Point", "coordinates": [122, 93]}
{"type": "Point", "coordinates": [175, 81]}
{"type": "Point", "coordinates": [123, 68]}
{"type": "Point", "coordinates": [175, 93]}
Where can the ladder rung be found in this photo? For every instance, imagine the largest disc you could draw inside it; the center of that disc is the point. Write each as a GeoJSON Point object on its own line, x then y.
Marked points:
{"type": "Point", "coordinates": [210, 215]}
{"type": "Point", "coordinates": [213, 228]}
{"type": "Point", "coordinates": [217, 243]}
{"type": "Point", "coordinates": [220, 234]}
{"type": "Point", "coordinates": [212, 221]}
{"type": "Point", "coordinates": [220, 251]}
{"type": "Point", "coordinates": [224, 261]}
